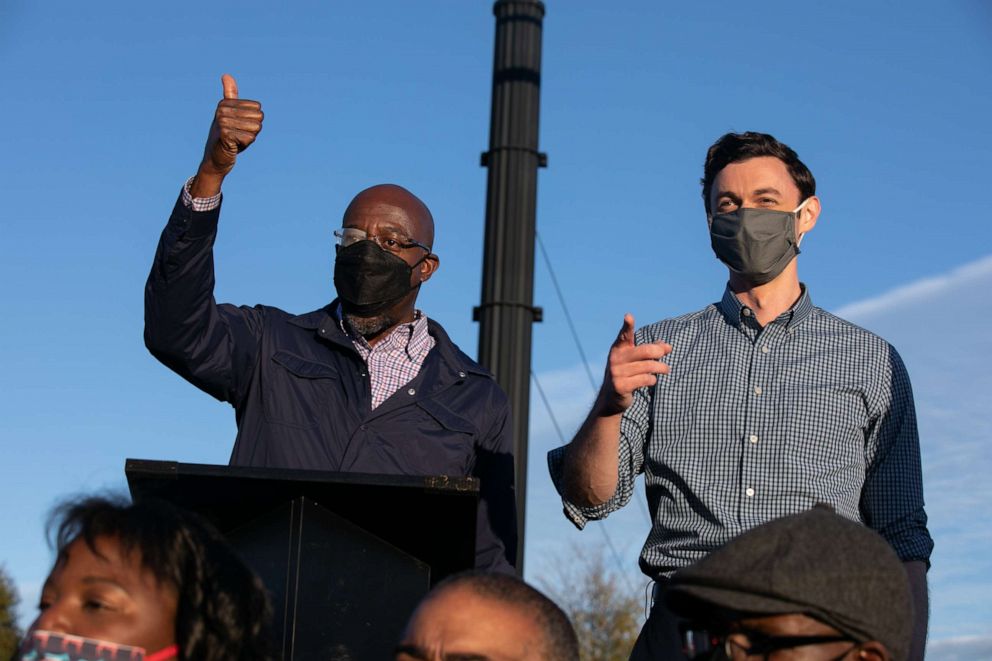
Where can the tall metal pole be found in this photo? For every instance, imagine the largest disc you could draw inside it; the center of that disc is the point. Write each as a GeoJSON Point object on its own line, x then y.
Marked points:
{"type": "Point", "coordinates": [507, 311]}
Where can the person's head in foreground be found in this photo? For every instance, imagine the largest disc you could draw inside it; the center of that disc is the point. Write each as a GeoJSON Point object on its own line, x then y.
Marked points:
{"type": "Point", "coordinates": [145, 581]}
{"type": "Point", "coordinates": [808, 586]}
{"type": "Point", "coordinates": [478, 616]}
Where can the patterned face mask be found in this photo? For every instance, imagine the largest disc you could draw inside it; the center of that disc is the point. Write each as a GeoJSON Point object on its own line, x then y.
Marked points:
{"type": "Point", "coordinates": [40, 645]}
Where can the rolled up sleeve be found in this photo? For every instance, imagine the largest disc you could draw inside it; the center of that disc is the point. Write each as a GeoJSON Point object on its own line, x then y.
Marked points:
{"type": "Point", "coordinates": [634, 429]}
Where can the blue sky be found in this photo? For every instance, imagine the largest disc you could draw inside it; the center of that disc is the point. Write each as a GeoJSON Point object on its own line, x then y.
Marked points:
{"type": "Point", "coordinates": [106, 107]}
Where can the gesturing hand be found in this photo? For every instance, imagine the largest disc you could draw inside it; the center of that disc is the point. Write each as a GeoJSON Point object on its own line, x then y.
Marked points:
{"type": "Point", "coordinates": [236, 124]}
{"type": "Point", "coordinates": [630, 367]}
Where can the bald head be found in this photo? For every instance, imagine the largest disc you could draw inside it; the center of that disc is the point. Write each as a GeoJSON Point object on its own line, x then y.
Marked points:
{"type": "Point", "coordinates": [391, 205]}
{"type": "Point", "coordinates": [490, 616]}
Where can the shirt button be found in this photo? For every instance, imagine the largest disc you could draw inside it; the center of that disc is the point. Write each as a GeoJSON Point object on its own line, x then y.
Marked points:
{"type": "Point", "coordinates": [411, 391]}
{"type": "Point", "coordinates": [757, 390]}
{"type": "Point", "coordinates": [750, 492]}
{"type": "Point", "coordinates": [753, 438]}
{"type": "Point", "coordinates": [364, 427]}
{"type": "Point", "coordinates": [746, 312]}
{"type": "Point", "coordinates": [765, 349]}
{"type": "Point", "coordinates": [461, 375]}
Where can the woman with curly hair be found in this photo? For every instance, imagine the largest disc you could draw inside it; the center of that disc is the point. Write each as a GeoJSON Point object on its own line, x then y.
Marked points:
{"type": "Point", "coordinates": [146, 581]}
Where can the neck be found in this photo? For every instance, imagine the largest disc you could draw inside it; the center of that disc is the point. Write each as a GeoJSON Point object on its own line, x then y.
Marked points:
{"type": "Point", "coordinates": [375, 338]}
{"type": "Point", "coordinates": [378, 327]}
{"type": "Point", "coordinates": [771, 299]}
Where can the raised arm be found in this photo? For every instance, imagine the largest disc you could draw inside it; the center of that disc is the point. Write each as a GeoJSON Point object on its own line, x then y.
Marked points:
{"type": "Point", "coordinates": [212, 346]}
{"type": "Point", "coordinates": [237, 122]}
{"type": "Point", "coordinates": [591, 460]}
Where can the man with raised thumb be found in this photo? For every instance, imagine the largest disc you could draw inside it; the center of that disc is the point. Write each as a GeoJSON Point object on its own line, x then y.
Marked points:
{"type": "Point", "coordinates": [366, 383]}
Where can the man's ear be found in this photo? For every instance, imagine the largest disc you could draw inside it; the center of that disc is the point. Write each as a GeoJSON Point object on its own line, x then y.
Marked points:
{"type": "Point", "coordinates": [427, 267]}
{"type": "Point", "coordinates": [807, 215]}
{"type": "Point", "coordinates": [872, 651]}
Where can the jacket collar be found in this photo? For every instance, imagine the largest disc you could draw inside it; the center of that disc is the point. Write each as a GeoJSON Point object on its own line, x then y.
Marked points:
{"type": "Point", "coordinates": [324, 324]}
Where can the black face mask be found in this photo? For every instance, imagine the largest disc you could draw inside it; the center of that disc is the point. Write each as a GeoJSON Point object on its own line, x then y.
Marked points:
{"type": "Point", "coordinates": [370, 279]}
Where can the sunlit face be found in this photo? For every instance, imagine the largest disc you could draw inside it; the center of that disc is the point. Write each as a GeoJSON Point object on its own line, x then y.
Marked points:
{"type": "Point", "coordinates": [459, 625]}
{"type": "Point", "coordinates": [108, 596]}
{"type": "Point", "coordinates": [762, 182]}
{"type": "Point", "coordinates": [381, 218]}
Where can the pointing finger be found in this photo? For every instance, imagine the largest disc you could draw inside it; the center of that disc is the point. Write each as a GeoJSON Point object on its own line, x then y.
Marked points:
{"type": "Point", "coordinates": [626, 336]}
{"type": "Point", "coordinates": [230, 86]}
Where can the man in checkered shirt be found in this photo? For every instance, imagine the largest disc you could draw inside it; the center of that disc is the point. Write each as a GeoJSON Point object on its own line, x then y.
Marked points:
{"type": "Point", "coordinates": [753, 408]}
{"type": "Point", "coordinates": [366, 384]}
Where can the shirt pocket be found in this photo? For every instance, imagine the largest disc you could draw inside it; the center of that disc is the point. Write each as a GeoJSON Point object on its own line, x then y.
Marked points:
{"type": "Point", "coordinates": [297, 390]}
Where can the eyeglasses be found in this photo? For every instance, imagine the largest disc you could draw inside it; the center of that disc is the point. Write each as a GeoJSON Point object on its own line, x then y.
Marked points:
{"type": "Point", "coordinates": [700, 645]}
{"type": "Point", "coordinates": [393, 242]}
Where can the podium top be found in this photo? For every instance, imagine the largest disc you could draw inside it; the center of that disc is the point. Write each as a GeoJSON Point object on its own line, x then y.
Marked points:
{"type": "Point", "coordinates": [431, 517]}
{"type": "Point", "coordinates": [143, 472]}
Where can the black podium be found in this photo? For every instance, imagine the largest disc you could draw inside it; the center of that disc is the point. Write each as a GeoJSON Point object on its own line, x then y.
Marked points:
{"type": "Point", "coordinates": [345, 556]}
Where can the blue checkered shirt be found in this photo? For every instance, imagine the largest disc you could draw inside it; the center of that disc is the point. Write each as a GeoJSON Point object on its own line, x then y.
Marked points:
{"type": "Point", "coordinates": [756, 423]}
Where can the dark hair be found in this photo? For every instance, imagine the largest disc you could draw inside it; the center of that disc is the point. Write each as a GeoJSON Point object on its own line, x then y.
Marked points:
{"type": "Point", "coordinates": [560, 641]}
{"type": "Point", "coordinates": [736, 147]}
{"type": "Point", "coordinates": [223, 611]}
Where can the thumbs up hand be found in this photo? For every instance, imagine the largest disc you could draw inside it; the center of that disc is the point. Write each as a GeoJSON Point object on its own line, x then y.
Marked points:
{"type": "Point", "coordinates": [629, 367]}
{"type": "Point", "coordinates": [236, 124]}
{"type": "Point", "coordinates": [230, 86]}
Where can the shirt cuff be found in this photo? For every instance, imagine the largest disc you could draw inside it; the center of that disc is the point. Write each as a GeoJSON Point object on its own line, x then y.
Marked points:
{"type": "Point", "coordinates": [572, 512]}
{"type": "Point", "coordinates": [199, 203]}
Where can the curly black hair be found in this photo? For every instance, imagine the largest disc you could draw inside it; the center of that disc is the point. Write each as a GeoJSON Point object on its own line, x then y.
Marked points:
{"type": "Point", "coordinates": [736, 147]}
{"type": "Point", "coordinates": [223, 611]}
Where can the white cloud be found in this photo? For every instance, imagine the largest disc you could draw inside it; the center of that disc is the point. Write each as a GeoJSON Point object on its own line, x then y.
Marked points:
{"type": "Point", "coordinates": [919, 291]}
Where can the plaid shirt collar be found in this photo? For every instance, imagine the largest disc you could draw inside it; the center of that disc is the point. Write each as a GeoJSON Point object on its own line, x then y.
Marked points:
{"type": "Point", "coordinates": [734, 310]}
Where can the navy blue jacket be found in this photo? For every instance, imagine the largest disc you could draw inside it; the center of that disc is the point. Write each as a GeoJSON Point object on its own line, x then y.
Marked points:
{"type": "Point", "coordinates": [301, 392]}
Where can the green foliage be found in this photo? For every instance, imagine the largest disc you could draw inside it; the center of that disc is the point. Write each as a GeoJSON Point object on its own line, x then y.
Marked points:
{"type": "Point", "coordinates": [10, 634]}
{"type": "Point", "coordinates": [606, 616]}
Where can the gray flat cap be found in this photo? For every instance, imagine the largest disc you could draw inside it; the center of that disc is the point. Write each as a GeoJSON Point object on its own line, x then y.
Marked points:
{"type": "Point", "coordinates": [816, 563]}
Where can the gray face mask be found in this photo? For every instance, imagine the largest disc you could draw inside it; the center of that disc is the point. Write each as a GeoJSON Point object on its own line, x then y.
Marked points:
{"type": "Point", "coordinates": [756, 244]}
